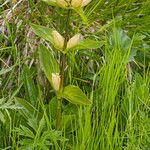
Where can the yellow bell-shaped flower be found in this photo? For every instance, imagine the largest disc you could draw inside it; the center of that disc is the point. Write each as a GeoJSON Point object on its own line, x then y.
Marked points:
{"type": "Point", "coordinates": [85, 2]}
{"type": "Point", "coordinates": [72, 3]}
{"type": "Point", "coordinates": [62, 3]}
{"type": "Point", "coordinates": [56, 81]}
{"type": "Point", "coordinates": [76, 3]}
{"type": "Point", "coordinates": [58, 40]}
{"type": "Point", "coordinates": [73, 41]}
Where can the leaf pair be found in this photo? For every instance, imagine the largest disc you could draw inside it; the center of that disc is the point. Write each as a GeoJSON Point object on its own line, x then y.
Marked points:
{"type": "Point", "coordinates": [73, 43]}
{"type": "Point", "coordinates": [49, 65]}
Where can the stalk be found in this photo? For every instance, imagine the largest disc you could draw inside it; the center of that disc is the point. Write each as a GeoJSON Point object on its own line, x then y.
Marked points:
{"type": "Point", "coordinates": [62, 73]}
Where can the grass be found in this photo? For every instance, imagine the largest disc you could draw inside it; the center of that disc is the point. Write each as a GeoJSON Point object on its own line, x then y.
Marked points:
{"type": "Point", "coordinates": [115, 77]}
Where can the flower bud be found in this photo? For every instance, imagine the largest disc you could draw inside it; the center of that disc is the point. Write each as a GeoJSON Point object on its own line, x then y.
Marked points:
{"type": "Point", "coordinates": [62, 3]}
{"type": "Point", "coordinates": [56, 81]}
{"type": "Point", "coordinates": [85, 2]}
{"type": "Point", "coordinates": [73, 41]}
{"type": "Point", "coordinates": [68, 3]}
{"type": "Point", "coordinates": [58, 40]}
{"type": "Point", "coordinates": [76, 3]}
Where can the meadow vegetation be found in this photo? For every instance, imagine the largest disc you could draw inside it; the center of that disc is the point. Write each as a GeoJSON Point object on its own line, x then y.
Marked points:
{"type": "Point", "coordinates": [75, 78]}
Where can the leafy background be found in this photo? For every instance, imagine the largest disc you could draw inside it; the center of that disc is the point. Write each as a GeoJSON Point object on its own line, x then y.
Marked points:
{"type": "Point", "coordinates": [115, 76]}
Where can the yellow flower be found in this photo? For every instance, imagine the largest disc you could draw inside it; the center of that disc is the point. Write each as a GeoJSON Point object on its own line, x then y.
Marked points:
{"type": "Point", "coordinates": [58, 40]}
{"type": "Point", "coordinates": [56, 81]}
{"type": "Point", "coordinates": [73, 41]}
{"type": "Point", "coordinates": [76, 3]}
{"type": "Point", "coordinates": [79, 3]}
{"type": "Point", "coordinates": [62, 3]}
{"type": "Point", "coordinates": [85, 2]}
{"type": "Point", "coordinates": [72, 3]}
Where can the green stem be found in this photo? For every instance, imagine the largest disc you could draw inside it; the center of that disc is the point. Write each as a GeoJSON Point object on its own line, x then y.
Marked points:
{"type": "Point", "coordinates": [65, 45]}
{"type": "Point", "coordinates": [63, 61]}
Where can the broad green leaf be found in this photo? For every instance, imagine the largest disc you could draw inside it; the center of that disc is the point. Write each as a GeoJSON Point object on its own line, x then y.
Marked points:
{"type": "Point", "coordinates": [29, 85]}
{"type": "Point", "coordinates": [120, 40]}
{"type": "Point", "coordinates": [89, 44]}
{"type": "Point", "coordinates": [75, 95]}
{"type": "Point", "coordinates": [132, 55]}
{"type": "Point", "coordinates": [46, 33]}
{"type": "Point", "coordinates": [48, 63]}
{"type": "Point", "coordinates": [41, 31]}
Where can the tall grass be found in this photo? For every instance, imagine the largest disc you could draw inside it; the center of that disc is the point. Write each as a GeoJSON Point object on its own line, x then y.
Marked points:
{"type": "Point", "coordinates": [115, 77]}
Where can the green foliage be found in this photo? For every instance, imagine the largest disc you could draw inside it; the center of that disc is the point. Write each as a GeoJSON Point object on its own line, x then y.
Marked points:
{"type": "Point", "coordinates": [48, 63]}
{"type": "Point", "coordinates": [75, 95]}
{"type": "Point", "coordinates": [43, 32]}
{"type": "Point", "coordinates": [36, 137]}
{"type": "Point", "coordinates": [30, 88]}
{"type": "Point", "coordinates": [5, 106]}
{"type": "Point", "coordinates": [52, 107]}
{"type": "Point", "coordinates": [110, 64]}
{"type": "Point", "coordinates": [29, 108]}
{"type": "Point", "coordinates": [89, 44]}
{"type": "Point", "coordinates": [120, 40]}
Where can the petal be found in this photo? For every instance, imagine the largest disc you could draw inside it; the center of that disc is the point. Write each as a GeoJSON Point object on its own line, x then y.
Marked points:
{"type": "Point", "coordinates": [58, 40]}
{"type": "Point", "coordinates": [85, 2]}
{"type": "Point", "coordinates": [62, 3]}
{"type": "Point", "coordinates": [56, 81]}
{"type": "Point", "coordinates": [73, 41]}
{"type": "Point", "coordinates": [76, 3]}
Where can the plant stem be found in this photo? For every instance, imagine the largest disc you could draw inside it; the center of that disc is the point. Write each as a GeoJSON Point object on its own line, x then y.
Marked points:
{"type": "Point", "coordinates": [63, 61]}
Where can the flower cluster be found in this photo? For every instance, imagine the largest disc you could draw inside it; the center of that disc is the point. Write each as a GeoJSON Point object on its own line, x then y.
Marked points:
{"type": "Point", "coordinates": [59, 40]}
{"type": "Point", "coordinates": [69, 3]}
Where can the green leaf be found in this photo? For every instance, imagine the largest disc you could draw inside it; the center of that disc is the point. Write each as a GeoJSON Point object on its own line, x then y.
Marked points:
{"type": "Point", "coordinates": [29, 85]}
{"type": "Point", "coordinates": [2, 117]}
{"type": "Point", "coordinates": [132, 55]}
{"type": "Point", "coordinates": [89, 44]}
{"type": "Point", "coordinates": [120, 40]}
{"type": "Point", "coordinates": [75, 95]}
{"type": "Point", "coordinates": [53, 107]}
{"type": "Point", "coordinates": [43, 32]}
{"type": "Point", "coordinates": [48, 63]}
